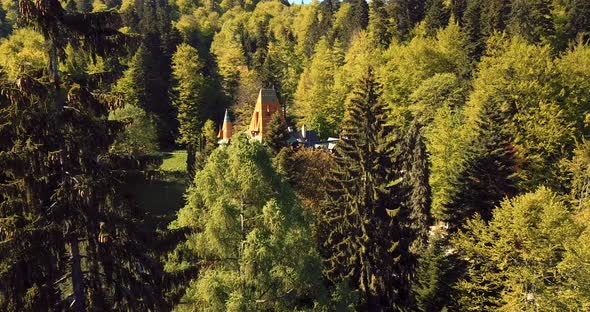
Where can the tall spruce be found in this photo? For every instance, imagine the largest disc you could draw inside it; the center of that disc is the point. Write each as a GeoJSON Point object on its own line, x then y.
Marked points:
{"type": "Point", "coordinates": [361, 218]}
{"type": "Point", "coordinates": [490, 173]}
{"type": "Point", "coordinates": [62, 191]}
{"type": "Point", "coordinates": [416, 197]}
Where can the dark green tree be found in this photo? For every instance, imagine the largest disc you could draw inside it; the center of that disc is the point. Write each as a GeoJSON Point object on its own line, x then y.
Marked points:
{"type": "Point", "coordinates": [62, 192]}
{"type": "Point", "coordinates": [416, 199]}
{"type": "Point", "coordinates": [490, 173]}
{"type": "Point", "coordinates": [471, 23]}
{"type": "Point", "coordinates": [278, 134]}
{"type": "Point", "coordinates": [405, 14]}
{"type": "Point", "coordinates": [438, 270]}
{"type": "Point", "coordinates": [436, 16]}
{"type": "Point", "coordinates": [531, 19]}
{"type": "Point", "coordinates": [361, 218]}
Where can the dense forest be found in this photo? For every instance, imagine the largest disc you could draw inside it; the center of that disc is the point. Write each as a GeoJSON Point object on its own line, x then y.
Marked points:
{"type": "Point", "coordinates": [460, 181]}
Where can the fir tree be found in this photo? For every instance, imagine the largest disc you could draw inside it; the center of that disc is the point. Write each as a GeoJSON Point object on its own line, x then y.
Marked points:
{"type": "Point", "coordinates": [490, 173]}
{"type": "Point", "coordinates": [361, 218]}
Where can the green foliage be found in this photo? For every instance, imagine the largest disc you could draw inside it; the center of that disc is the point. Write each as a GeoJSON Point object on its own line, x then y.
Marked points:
{"type": "Point", "coordinates": [251, 240]}
{"type": "Point", "coordinates": [436, 273]}
{"type": "Point", "coordinates": [190, 102]}
{"type": "Point", "coordinates": [22, 53]}
{"type": "Point", "coordinates": [361, 219]}
{"type": "Point", "coordinates": [140, 135]}
{"type": "Point", "coordinates": [277, 133]}
{"type": "Point", "coordinates": [512, 262]}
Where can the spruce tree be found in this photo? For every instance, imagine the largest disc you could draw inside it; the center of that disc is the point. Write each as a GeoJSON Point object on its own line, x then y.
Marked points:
{"type": "Point", "coordinates": [490, 173]}
{"type": "Point", "coordinates": [277, 135]}
{"type": "Point", "coordinates": [416, 198]}
{"type": "Point", "coordinates": [63, 192]}
{"type": "Point", "coordinates": [361, 218]}
{"type": "Point", "coordinates": [379, 27]}
{"type": "Point", "coordinates": [436, 16]}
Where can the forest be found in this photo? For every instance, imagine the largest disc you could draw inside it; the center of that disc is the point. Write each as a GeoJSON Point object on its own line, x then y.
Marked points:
{"type": "Point", "coordinates": [460, 180]}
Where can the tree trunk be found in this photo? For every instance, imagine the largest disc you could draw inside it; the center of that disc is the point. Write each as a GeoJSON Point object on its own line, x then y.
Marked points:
{"type": "Point", "coordinates": [77, 276]}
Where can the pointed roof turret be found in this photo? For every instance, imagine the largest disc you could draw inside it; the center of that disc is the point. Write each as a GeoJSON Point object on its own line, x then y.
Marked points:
{"type": "Point", "coordinates": [266, 106]}
{"type": "Point", "coordinates": [225, 132]}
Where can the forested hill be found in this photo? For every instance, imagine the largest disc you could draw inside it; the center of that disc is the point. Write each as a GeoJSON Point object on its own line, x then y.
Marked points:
{"type": "Point", "coordinates": [459, 182]}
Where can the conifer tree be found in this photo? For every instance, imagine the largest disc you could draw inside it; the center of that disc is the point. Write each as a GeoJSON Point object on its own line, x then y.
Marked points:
{"type": "Point", "coordinates": [490, 172]}
{"type": "Point", "coordinates": [361, 217]}
{"type": "Point", "coordinates": [436, 16]}
{"type": "Point", "coordinates": [437, 272]}
{"type": "Point", "coordinates": [190, 103]}
{"type": "Point", "coordinates": [277, 134]}
{"type": "Point", "coordinates": [531, 19]}
{"type": "Point", "coordinates": [379, 23]}
{"type": "Point", "coordinates": [416, 200]}
{"type": "Point", "coordinates": [64, 193]}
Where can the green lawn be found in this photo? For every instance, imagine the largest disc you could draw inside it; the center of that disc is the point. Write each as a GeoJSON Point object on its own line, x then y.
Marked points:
{"type": "Point", "coordinates": [174, 161]}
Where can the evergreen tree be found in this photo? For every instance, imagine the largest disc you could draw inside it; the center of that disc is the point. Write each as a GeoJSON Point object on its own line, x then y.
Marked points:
{"type": "Point", "coordinates": [416, 200]}
{"type": "Point", "coordinates": [277, 134]}
{"type": "Point", "coordinates": [361, 218]}
{"type": "Point", "coordinates": [65, 193]}
{"type": "Point", "coordinates": [190, 102]}
{"type": "Point", "coordinates": [531, 19]}
{"type": "Point", "coordinates": [472, 26]}
{"type": "Point", "coordinates": [436, 16]}
{"type": "Point", "coordinates": [405, 14]}
{"type": "Point", "coordinates": [490, 172]}
{"type": "Point", "coordinates": [437, 272]}
{"type": "Point", "coordinates": [379, 23]}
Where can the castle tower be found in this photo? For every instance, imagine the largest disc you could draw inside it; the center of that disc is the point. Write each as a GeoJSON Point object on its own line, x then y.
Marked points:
{"type": "Point", "coordinates": [266, 106]}
{"type": "Point", "coordinates": [225, 132]}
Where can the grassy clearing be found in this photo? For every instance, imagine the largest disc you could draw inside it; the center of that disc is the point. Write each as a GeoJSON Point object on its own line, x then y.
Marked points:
{"type": "Point", "coordinates": [174, 161]}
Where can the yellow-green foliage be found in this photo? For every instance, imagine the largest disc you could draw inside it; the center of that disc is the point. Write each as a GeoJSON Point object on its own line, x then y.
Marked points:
{"type": "Point", "coordinates": [513, 263]}
{"type": "Point", "coordinates": [22, 52]}
{"type": "Point", "coordinates": [252, 242]}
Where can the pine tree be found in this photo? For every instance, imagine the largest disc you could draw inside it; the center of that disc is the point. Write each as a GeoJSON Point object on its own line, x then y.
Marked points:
{"type": "Point", "coordinates": [361, 217]}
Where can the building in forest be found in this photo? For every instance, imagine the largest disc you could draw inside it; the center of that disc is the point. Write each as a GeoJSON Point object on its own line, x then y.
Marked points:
{"type": "Point", "coordinates": [266, 106]}
{"type": "Point", "coordinates": [225, 132]}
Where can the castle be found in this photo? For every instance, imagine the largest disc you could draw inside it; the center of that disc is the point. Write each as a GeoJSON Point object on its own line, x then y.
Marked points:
{"type": "Point", "coordinates": [266, 106]}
